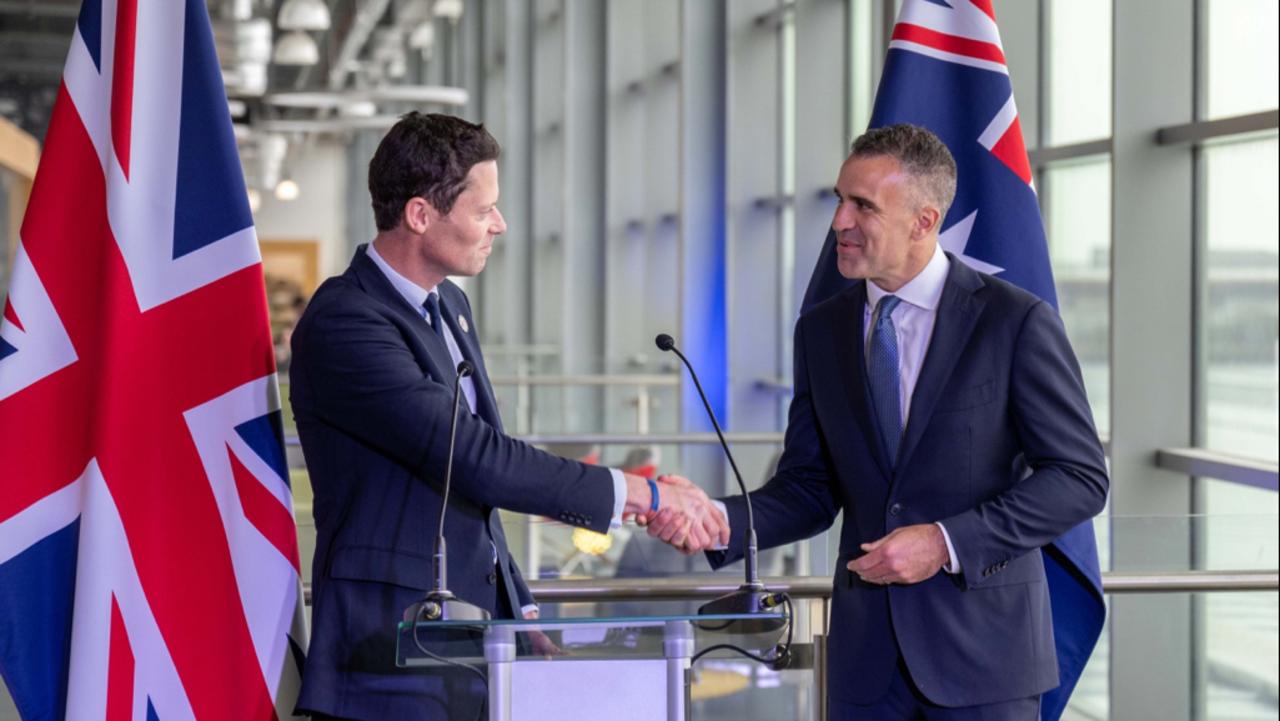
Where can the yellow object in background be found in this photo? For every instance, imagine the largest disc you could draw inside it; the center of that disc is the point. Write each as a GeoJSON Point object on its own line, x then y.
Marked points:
{"type": "Point", "coordinates": [589, 541]}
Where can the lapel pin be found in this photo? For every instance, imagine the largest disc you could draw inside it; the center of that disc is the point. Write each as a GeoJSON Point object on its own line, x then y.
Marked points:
{"type": "Point", "coordinates": [462, 323]}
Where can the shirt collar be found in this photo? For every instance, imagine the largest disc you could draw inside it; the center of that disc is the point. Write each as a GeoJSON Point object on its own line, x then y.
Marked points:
{"type": "Point", "coordinates": [414, 294]}
{"type": "Point", "coordinates": [924, 290]}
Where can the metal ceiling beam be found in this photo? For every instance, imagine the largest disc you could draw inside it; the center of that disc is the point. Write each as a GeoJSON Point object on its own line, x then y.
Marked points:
{"type": "Point", "coordinates": [367, 17]}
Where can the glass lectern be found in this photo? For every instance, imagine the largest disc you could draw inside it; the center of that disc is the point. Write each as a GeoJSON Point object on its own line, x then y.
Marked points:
{"type": "Point", "coordinates": [596, 668]}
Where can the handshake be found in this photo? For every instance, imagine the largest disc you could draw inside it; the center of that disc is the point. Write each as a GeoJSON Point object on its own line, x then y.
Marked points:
{"type": "Point", "coordinates": [686, 517]}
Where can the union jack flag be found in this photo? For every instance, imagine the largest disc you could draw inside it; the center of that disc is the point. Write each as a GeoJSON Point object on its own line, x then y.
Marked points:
{"type": "Point", "coordinates": [148, 553]}
{"type": "Point", "coordinates": [946, 71]}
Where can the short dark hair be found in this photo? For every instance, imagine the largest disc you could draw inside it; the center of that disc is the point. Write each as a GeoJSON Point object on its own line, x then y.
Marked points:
{"type": "Point", "coordinates": [921, 154]}
{"type": "Point", "coordinates": [425, 155]}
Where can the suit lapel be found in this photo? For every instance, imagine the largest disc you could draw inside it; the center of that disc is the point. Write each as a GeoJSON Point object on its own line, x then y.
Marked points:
{"type": "Point", "coordinates": [851, 365]}
{"type": "Point", "coordinates": [958, 313]}
{"type": "Point", "coordinates": [377, 285]}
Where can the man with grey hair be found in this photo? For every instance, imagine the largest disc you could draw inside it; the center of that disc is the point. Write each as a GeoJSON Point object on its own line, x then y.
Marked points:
{"type": "Point", "coordinates": [943, 411]}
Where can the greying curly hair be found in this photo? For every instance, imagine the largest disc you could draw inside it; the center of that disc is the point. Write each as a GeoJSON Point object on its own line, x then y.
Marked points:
{"type": "Point", "coordinates": [921, 154]}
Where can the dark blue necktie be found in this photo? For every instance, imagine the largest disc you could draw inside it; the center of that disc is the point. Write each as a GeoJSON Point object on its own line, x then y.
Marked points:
{"type": "Point", "coordinates": [883, 376]}
{"type": "Point", "coordinates": [432, 305]}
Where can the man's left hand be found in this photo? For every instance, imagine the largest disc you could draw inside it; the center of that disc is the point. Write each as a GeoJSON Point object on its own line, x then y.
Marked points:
{"type": "Point", "coordinates": [910, 554]}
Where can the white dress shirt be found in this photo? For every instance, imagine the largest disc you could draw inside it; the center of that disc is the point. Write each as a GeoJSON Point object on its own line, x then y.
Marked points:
{"type": "Point", "coordinates": [913, 322]}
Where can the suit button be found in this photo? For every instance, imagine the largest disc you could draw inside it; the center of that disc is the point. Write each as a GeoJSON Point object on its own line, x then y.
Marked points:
{"type": "Point", "coordinates": [493, 579]}
{"type": "Point", "coordinates": [895, 509]}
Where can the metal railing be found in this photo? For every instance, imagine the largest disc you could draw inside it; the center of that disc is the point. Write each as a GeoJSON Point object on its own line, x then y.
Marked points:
{"type": "Point", "coordinates": [653, 439]}
{"type": "Point", "coordinates": [695, 588]}
{"type": "Point", "coordinates": [1206, 463]}
{"type": "Point", "coordinates": [523, 382]}
{"type": "Point", "coordinates": [637, 439]}
{"type": "Point", "coordinates": [819, 587]}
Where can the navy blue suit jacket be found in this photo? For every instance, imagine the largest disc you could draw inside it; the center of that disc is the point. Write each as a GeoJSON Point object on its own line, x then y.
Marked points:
{"type": "Point", "coordinates": [372, 391]}
{"type": "Point", "coordinates": [999, 446]}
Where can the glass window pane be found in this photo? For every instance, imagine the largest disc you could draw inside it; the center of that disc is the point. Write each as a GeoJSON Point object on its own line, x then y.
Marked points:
{"type": "Point", "coordinates": [1241, 57]}
{"type": "Point", "coordinates": [1240, 647]}
{"type": "Point", "coordinates": [1239, 637]}
{"type": "Point", "coordinates": [860, 50]}
{"type": "Point", "coordinates": [1079, 43]}
{"type": "Point", "coordinates": [1239, 527]}
{"type": "Point", "coordinates": [1078, 223]}
{"type": "Point", "coordinates": [1240, 316]}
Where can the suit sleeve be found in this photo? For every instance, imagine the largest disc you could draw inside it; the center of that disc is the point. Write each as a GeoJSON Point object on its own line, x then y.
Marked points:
{"type": "Point", "coordinates": [523, 594]}
{"type": "Point", "coordinates": [362, 378]}
{"type": "Point", "coordinates": [1068, 480]}
{"type": "Point", "coordinates": [798, 502]}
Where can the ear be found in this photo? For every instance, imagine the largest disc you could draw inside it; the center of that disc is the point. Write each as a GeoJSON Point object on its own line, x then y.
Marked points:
{"type": "Point", "coordinates": [418, 215]}
{"type": "Point", "coordinates": [927, 222]}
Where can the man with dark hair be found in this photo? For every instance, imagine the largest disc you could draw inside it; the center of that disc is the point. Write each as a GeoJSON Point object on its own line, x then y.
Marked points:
{"type": "Point", "coordinates": [943, 411]}
{"type": "Point", "coordinates": [372, 386]}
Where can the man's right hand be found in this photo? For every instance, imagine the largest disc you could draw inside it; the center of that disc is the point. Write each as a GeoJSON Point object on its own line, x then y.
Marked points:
{"type": "Point", "coordinates": [687, 518]}
{"type": "Point", "coordinates": [683, 532]}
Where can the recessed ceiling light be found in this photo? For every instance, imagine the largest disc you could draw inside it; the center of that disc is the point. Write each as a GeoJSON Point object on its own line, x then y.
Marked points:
{"type": "Point", "coordinates": [287, 190]}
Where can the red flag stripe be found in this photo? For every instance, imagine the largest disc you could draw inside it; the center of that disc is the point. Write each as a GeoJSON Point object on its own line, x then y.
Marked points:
{"type": "Point", "coordinates": [264, 511]}
{"type": "Point", "coordinates": [986, 7]}
{"type": "Point", "coordinates": [12, 317]}
{"type": "Point", "coordinates": [122, 81]}
{"type": "Point", "coordinates": [1012, 152]}
{"type": "Point", "coordinates": [119, 669]}
{"type": "Point", "coordinates": [948, 43]}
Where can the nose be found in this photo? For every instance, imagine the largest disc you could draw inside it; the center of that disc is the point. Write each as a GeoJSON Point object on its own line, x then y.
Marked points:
{"type": "Point", "coordinates": [843, 218]}
{"type": "Point", "coordinates": [501, 226]}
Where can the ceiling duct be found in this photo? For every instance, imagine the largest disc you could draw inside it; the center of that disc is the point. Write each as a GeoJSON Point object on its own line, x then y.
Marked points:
{"type": "Point", "coordinates": [244, 49]}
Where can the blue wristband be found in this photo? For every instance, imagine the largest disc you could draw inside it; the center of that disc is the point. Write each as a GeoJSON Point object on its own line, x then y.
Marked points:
{"type": "Point", "coordinates": [653, 492]}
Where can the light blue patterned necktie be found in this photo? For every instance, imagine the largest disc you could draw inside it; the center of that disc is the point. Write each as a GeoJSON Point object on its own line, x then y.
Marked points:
{"type": "Point", "coordinates": [883, 376]}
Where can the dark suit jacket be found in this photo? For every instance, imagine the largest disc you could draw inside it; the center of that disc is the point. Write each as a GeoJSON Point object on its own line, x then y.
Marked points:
{"type": "Point", "coordinates": [372, 391]}
{"type": "Point", "coordinates": [999, 446]}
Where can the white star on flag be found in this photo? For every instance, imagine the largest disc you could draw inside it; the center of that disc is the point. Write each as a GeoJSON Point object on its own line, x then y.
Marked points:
{"type": "Point", "coordinates": [956, 238]}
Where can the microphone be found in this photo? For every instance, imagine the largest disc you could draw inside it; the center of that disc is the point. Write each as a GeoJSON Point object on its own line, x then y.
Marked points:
{"type": "Point", "coordinates": [440, 604]}
{"type": "Point", "coordinates": [751, 596]}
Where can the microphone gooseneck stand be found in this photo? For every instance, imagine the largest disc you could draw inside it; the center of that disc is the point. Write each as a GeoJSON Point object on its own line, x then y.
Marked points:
{"type": "Point", "coordinates": [751, 597]}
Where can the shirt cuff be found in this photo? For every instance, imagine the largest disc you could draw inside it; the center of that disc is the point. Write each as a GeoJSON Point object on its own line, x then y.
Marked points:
{"type": "Point", "coordinates": [724, 511]}
{"type": "Point", "coordinates": [524, 610]}
{"type": "Point", "coordinates": [953, 563]}
{"type": "Point", "coordinates": [619, 497]}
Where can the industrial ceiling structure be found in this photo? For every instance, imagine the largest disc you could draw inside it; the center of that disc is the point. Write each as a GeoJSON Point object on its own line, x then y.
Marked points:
{"type": "Point", "coordinates": [293, 69]}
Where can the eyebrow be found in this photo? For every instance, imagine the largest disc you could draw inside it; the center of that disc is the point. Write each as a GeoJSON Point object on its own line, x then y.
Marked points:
{"type": "Point", "coordinates": [865, 201]}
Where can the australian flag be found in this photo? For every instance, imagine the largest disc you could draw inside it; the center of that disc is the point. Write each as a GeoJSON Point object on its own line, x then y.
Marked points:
{"type": "Point", "coordinates": [148, 552]}
{"type": "Point", "coordinates": [946, 71]}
